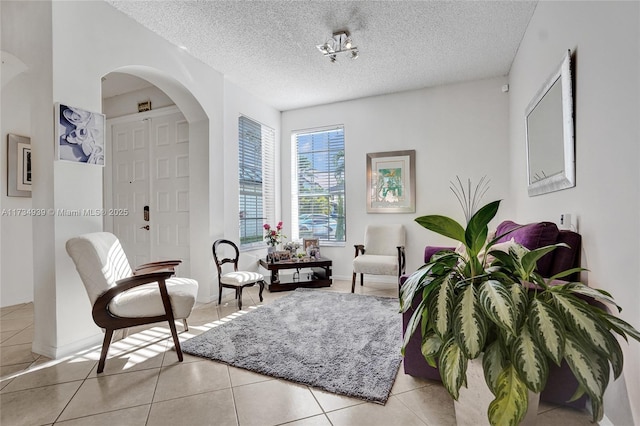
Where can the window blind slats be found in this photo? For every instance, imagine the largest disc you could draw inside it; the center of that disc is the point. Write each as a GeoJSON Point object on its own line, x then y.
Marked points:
{"type": "Point", "coordinates": [256, 179]}
{"type": "Point", "coordinates": [320, 189]}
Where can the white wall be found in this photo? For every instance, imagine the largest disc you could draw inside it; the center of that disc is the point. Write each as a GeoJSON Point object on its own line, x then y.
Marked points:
{"type": "Point", "coordinates": [456, 130]}
{"type": "Point", "coordinates": [605, 37]}
{"type": "Point", "coordinates": [63, 321]}
{"type": "Point", "coordinates": [17, 247]}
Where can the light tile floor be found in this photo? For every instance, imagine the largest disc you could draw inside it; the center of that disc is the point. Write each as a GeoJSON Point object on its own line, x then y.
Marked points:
{"type": "Point", "coordinates": [143, 384]}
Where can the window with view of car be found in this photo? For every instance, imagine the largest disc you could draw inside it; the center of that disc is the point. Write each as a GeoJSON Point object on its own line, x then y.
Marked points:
{"type": "Point", "coordinates": [318, 186]}
{"type": "Point", "coordinates": [256, 170]}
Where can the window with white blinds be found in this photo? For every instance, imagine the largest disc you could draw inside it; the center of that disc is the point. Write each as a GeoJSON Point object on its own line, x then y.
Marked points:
{"type": "Point", "coordinates": [319, 186]}
{"type": "Point", "coordinates": [256, 169]}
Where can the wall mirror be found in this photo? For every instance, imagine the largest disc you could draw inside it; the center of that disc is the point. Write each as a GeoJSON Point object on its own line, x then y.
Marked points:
{"type": "Point", "coordinates": [549, 134]}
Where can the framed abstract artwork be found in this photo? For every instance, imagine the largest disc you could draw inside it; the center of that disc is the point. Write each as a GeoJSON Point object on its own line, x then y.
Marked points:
{"type": "Point", "coordinates": [391, 182]}
{"type": "Point", "coordinates": [79, 135]}
{"type": "Point", "coordinates": [18, 166]}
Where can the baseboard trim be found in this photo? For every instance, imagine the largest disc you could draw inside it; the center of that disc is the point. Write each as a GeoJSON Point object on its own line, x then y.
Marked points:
{"type": "Point", "coordinates": [371, 278]}
{"type": "Point", "coordinates": [57, 352]}
{"type": "Point", "coordinates": [605, 421]}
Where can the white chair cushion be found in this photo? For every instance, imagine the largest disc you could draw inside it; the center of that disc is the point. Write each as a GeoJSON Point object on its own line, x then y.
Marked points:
{"type": "Point", "coordinates": [100, 261]}
{"type": "Point", "coordinates": [384, 239]}
{"type": "Point", "coordinates": [145, 300]}
{"type": "Point", "coordinates": [240, 278]}
{"type": "Point", "coordinates": [376, 265]}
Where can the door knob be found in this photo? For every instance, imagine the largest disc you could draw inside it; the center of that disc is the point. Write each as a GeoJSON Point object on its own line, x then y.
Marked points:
{"type": "Point", "coordinates": [145, 227]}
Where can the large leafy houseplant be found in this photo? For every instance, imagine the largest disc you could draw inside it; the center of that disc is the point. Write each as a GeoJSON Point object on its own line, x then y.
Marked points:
{"type": "Point", "coordinates": [478, 301]}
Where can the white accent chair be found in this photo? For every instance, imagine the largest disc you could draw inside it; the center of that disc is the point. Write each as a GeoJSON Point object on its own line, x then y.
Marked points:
{"type": "Point", "coordinates": [381, 254]}
{"type": "Point", "coordinates": [235, 279]}
{"type": "Point", "coordinates": [122, 298]}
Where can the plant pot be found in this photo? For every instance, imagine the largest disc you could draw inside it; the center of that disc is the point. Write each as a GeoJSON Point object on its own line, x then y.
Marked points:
{"type": "Point", "coordinates": [473, 402]}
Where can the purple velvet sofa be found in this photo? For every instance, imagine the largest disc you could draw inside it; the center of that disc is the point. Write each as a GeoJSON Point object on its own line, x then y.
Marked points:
{"type": "Point", "coordinates": [561, 383]}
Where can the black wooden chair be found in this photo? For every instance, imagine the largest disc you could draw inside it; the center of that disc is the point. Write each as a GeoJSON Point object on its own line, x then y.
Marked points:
{"type": "Point", "coordinates": [235, 279]}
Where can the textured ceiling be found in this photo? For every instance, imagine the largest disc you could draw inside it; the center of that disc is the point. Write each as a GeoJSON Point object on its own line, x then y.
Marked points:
{"type": "Point", "coordinates": [269, 47]}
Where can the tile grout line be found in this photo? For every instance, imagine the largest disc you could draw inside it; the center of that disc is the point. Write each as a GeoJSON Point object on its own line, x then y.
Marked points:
{"type": "Point", "coordinates": [75, 393]}
{"type": "Point", "coordinates": [155, 389]}
{"type": "Point", "coordinates": [233, 396]}
{"type": "Point", "coordinates": [411, 409]}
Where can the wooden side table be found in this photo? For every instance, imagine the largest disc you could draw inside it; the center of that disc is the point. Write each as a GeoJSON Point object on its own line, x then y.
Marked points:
{"type": "Point", "coordinates": [320, 275]}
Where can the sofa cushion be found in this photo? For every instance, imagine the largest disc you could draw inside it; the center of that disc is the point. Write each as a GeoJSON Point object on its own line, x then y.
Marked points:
{"type": "Point", "coordinates": [531, 236]}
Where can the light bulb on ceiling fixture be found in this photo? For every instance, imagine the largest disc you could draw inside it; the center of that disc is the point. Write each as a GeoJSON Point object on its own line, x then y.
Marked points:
{"type": "Point", "coordinates": [340, 42]}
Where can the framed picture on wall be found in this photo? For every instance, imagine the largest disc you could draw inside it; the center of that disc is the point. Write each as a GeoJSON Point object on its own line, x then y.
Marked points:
{"type": "Point", "coordinates": [391, 182]}
{"type": "Point", "coordinates": [79, 135]}
{"type": "Point", "coordinates": [18, 166]}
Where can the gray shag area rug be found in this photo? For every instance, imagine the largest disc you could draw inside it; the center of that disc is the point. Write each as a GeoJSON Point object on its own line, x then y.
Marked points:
{"type": "Point", "coordinates": [344, 343]}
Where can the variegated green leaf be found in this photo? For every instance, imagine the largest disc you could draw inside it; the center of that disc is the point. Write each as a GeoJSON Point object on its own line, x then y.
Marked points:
{"type": "Point", "coordinates": [493, 362]}
{"type": "Point", "coordinates": [529, 361]}
{"type": "Point", "coordinates": [511, 402]}
{"type": "Point", "coordinates": [582, 321]}
{"type": "Point", "coordinates": [621, 327]}
{"type": "Point", "coordinates": [615, 356]}
{"type": "Point", "coordinates": [431, 345]}
{"type": "Point", "coordinates": [580, 390]}
{"type": "Point", "coordinates": [413, 323]}
{"type": "Point", "coordinates": [590, 368]}
{"type": "Point", "coordinates": [495, 300]}
{"type": "Point", "coordinates": [593, 293]}
{"type": "Point", "coordinates": [425, 318]}
{"type": "Point", "coordinates": [453, 367]}
{"type": "Point", "coordinates": [469, 324]}
{"type": "Point", "coordinates": [412, 286]}
{"type": "Point", "coordinates": [547, 329]}
{"type": "Point", "coordinates": [520, 301]}
{"type": "Point", "coordinates": [597, 409]}
{"type": "Point", "coordinates": [442, 308]}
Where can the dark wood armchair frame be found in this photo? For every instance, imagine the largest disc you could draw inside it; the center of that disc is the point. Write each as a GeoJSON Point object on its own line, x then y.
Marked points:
{"type": "Point", "coordinates": [234, 261]}
{"type": "Point", "coordinates": [402, 261]}
{"type": "Point", "coordinates": [110, 322]}
{"type": "Point", "coordinates": [162, 265]}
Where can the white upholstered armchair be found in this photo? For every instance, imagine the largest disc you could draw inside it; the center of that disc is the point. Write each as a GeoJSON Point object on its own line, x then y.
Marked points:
{"type": "Point", "coordinates": [381, 254]}
{"type": "Point", "coordinates": [122, 298]}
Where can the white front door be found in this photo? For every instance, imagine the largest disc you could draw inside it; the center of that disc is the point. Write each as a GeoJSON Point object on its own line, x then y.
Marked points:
{"type": "Point", "coordinates": [150, 181]}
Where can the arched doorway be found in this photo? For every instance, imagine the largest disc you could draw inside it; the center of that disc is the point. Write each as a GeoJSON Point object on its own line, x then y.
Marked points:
{"type": "Point", "coordinates": [183, 171]}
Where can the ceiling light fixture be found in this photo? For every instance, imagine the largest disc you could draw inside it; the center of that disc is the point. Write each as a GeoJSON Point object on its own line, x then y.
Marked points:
{"type": "Point", "coordinates": [340, 42]}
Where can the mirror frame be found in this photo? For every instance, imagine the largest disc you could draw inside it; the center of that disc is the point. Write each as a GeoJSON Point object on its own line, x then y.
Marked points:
{"type": "Point", "coordinates": [565, 178]}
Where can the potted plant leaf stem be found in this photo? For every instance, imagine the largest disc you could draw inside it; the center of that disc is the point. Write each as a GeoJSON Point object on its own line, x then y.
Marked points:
{"type": "Point", "coordinates": [477, 302]}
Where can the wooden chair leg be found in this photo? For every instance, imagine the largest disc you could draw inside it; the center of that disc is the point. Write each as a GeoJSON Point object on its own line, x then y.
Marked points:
{"type": "Point", "coordinates": [361, 280]}
{"type": "Point", "coordinates": [185, 325]}
{"type": "Point", "coordinates": [220, 295]}
{"type": "Point", "coordinates": [176, 341]}
{"type": "Point", "coordinates": [170, 318]}
{"type": "Point", "coordinates": [261, 283]}
{"type": "Point", "coordinates": [239, 296]}
{"type": "Point", "coordinates": [105, 348]}
{"type": "Point", "coordinates": [353, 283]}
